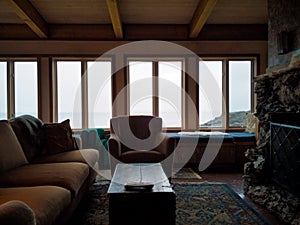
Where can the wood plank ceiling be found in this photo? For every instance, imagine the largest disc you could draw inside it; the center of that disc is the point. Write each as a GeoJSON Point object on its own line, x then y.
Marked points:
{"type": "Point", "coordinates": [112, 19]}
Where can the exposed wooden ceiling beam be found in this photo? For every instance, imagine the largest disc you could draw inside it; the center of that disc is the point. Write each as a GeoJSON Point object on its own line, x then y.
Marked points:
{"type": "Point", "coordinates": [25, 10]}
{"type": "Point", "coordinates": [200, 16]}
{"type": "Point", "coordinates": [115, 17]}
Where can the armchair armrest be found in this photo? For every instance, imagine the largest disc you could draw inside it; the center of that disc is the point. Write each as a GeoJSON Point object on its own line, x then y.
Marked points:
{"type": "Point", "coordinates": [167, 146]}
{"type": "Point", "coordinates": [16, 212]}
{"type": "Point", "coordinates": [114, 146]}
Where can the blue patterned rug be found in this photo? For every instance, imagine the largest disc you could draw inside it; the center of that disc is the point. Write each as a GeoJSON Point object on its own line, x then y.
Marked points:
{"type": "Point", "coordinates": [213, 203]}
{"type": "Point", "coordinates": [196, 203]}
{"type": "Point", "coordinates": [186, 174]}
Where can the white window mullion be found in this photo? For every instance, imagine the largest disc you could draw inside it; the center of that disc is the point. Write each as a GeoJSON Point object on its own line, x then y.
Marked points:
{"type": "Point", "coordinates": [84, 94]}
{"type": "Point", "coordinates": [10, 89]}
{"type": "Point", "coordinates": [54, 91]}
{"type": "Point", "coordinates": [155, 89]}
{"type": "Point", "coordinates": [4, 95]}
{"type": "Point", "coordinates": [225, 106]}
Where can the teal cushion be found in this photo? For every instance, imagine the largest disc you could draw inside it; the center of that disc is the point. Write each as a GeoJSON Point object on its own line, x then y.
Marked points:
{"type": "Point", "coordinates": [100, 131]}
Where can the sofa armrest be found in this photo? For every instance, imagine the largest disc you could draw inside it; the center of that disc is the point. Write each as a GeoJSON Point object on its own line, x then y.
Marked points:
{"type": "Point", "coordinates": [78, 141]}
{"type": "Point", "coordinates": [16, 212]}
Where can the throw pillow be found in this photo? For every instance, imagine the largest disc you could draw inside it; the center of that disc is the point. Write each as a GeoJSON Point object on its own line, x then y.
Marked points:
{"type": "Point", "coordinates": [28, 130]}
{"type": "Point", "coordinates": [58, 137]}
{"type": "Point", "coordinates": [11, 152]}
{"type": "Point", "coordinates": [251, 123]}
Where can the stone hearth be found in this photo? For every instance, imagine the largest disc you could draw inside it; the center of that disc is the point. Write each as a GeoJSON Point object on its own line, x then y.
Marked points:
{"type": "Point", "coordinates": [277, 91]}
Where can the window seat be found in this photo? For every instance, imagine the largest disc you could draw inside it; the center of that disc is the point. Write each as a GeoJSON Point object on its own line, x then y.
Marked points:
{"type": "Point", "coordinates": [229, 138]}
{"type": "Point", "coordinates": [231, 153]}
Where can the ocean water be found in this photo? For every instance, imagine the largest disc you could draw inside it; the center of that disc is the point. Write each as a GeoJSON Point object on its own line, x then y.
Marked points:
{"type": "Point", "coordinates": [3, 116]}
{"type": "Point", "coordinates": [103, 119]}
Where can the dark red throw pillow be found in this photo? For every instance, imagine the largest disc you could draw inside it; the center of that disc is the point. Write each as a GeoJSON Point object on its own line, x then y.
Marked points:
{"type": "Point", "coordinates": [58, 137]}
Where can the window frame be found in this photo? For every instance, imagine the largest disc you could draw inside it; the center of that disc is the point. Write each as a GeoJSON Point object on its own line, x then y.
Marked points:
{"type": "Point", "coordinates": [224, 91]}
{"type": "Point", "coordinates": [11, 93]}
{"type": "Point", "coordinates": [55, 100]}
{"type": "Point", "coordinates": [84, 86]}
{"type": "Point", "coordinates": [155, 73]}
{"type": "Point", "coordinates": [225, 59]}
{"type": "Point", "coordinates": [225, 88]}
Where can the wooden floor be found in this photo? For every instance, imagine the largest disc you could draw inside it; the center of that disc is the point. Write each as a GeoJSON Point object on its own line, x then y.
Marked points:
{"type": "Point", "coordinates": [235, 181]}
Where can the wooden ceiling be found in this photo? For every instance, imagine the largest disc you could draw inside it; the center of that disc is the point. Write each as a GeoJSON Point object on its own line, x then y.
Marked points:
{"type": "Point", "coordinates": [126, 19]}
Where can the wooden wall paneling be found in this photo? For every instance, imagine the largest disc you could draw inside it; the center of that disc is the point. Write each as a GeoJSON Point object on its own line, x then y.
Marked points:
{"type": "Point", "coordinates": [44, 89]}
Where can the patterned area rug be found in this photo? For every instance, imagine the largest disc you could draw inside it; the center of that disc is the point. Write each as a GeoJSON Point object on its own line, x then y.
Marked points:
{"type": "Point", "coordinates": [213, 203]}
{"type": "Point", "coordinates": [186, 173]}
{"type": "Point", "coordinates": [196, 203]}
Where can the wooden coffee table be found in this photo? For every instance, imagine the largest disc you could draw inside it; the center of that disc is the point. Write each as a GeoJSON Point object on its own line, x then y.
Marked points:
{"type": "Point", "coordinates": [141, 206]}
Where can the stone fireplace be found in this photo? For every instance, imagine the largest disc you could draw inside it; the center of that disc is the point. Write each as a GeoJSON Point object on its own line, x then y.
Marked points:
{"type": "Point", "coordinates": [277, 91]}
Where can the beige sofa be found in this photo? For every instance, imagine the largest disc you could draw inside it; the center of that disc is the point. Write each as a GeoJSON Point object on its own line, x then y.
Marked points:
{"type": "Point", "coordinates": [43, 177]}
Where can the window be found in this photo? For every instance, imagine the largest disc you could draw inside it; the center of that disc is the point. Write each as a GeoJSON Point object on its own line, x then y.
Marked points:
{"type": "Point", "coordinates": [239, 92]}
{"type": "Point", "coordinates": [225, 92]}
{"type": "Point", "coordinates": [26, 88]}
{"type": "Point", "coordinates": [170, 77]}
{"type": "Point", "coordinates": [3, 90]}
{"type": "Point", "coordinates": [141, 88]}
{"type": "Point", "coordinates": [22, 78]}
{"type": "Point", "coordinates": [69, 92]}
{"type": "Point", "coordinates": [86, 104]}
{"type": "Point", "coordinates": [210, 93]}
{"type": "Point", "coordinates": [155, 88]}
{"type": "Point", "coordinates": [99, 93]}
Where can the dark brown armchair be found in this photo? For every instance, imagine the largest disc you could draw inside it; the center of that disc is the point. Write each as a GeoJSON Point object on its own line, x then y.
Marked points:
{"type": "Point", "coordinates": [139, 139]}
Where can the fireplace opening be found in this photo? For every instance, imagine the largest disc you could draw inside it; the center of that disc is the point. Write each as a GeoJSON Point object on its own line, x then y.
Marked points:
{"type": "Point", "coordinates": [285, 150]}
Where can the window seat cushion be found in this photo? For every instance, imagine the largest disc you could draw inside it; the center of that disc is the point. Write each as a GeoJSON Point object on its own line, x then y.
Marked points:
{"type": "Point", "coordinates": [230, 138]}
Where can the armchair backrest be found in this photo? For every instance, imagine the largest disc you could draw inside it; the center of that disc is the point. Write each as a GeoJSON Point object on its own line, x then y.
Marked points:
{"type": "Point", "coordinates": [139, 138]}
{"type": "Point", "coordinates": [141, 126]}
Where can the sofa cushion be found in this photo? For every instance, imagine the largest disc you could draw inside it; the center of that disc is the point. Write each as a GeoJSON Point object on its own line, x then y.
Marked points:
{"type": "Point", "coordinates": [11, 153]}
{"type": "Point", "coordinates": [69, 175]}
{"type": "Point", "coordinates": [58, 137]}
{"type": "Point", "coordinates": [47, 202]}
{"type": "Point", "coordinates": [90, 156]}
{"type": "Point", "coordinates": [28, 130]}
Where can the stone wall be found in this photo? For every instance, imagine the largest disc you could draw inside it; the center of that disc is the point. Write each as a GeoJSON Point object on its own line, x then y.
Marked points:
{"type": "Point", "coordinates": [283, 16]}
{"type": "Point", "coordinates": [278, 91]}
